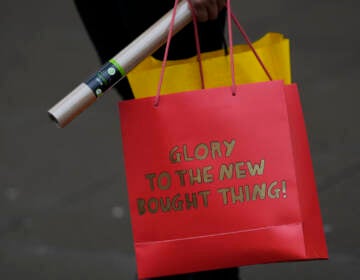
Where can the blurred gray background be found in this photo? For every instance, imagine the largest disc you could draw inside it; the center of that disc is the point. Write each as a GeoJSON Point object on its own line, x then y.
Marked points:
{"type": "Point", "coordinates": [63, 199]}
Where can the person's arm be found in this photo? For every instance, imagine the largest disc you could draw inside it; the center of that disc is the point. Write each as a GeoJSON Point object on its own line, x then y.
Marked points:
{"type": "Point", "coordinates": [207, 9]}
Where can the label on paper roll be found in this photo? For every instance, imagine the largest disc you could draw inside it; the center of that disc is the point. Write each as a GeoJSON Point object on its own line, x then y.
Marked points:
{"type": "Point", "coordinates": [105, 78]}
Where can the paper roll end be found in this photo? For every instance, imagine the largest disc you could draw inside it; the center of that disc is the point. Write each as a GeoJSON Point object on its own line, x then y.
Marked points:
{"type": "Point", "coordinates": [72, 105]}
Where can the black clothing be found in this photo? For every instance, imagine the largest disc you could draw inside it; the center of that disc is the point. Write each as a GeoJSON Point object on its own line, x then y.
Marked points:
{"type": "Point", "coordinates": [220, 274]}
{"type": "Point", "coordinates": [113, 24]}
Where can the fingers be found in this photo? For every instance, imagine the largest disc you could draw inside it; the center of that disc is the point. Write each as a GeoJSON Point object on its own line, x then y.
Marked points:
{"type": "Point", "coordinates": [221, 4]}
{"type": "Point", "coordinates": [207, 9]}
{"type": "Point", "coordinates": [201, 13]}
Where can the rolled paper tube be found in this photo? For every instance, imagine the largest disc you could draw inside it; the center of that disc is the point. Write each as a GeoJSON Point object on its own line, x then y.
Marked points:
{"type": "Point", "coordinates": [116, 68]}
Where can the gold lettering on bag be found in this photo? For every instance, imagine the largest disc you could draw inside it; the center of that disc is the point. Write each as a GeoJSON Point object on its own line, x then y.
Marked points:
{"type": "Point", "coordinates": [165, 207]}
{"type": "Point", "coordinates": [195, 177]}
{"type": "Point", "coordinates": [141, 206]}
{"type": "Point", "coordinates": [174, 156]}
{"type": "Point", "coordinates": [186, 155]}
{"type": "Point", "coordinates": [204, 195]}
{"type": "Point", "coordinates": [256, 192]}
{"type": "Point", "coordinates": [176, 203]}
{"type": "Point", "coordinates": [240, 173]}
{"type": "Point", "coordinates": [151, 177]}
{"type": "Point", "coordinates": [191, 202]}
{"type": "Point", "coordinates": [153, 205]}
{"type": "Point", "coordinates": [259, 192]}
{"type": "Point", "coordinates": [200, 155]}
{"type": "Point", "coordinates": [215, 149]}
{"type": "Point", "coordinates": [181, 174]}
{"type": "Point", "coordinates": [273, 193]}
{"type": "Point", "coordinates": [207, 177]}
{"type": "Point", "coordinates": [284, 188]}
{"type": "Point", "coordinates": [237, 196]}
{"type": "Point", "coordinates": [256, 169]}
{"type": "Point", "coordinates": [224, 192]}
{"type": "Point", "coordinates": [164, 181]}
{"type": "Point", "coordinates": [247, 192]}
{"type": "Point", "coordinates": [229, 147]}
{"type": "Point", "coordinates": [239, 170]}
{"type": "Point", "coordinates": [202, 151]}
{"type": "Point", "coordinates": [226, 171]}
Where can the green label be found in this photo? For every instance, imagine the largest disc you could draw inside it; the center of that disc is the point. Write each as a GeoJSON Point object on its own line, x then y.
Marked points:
{"type": "Point", "coordinates": [105, 78]}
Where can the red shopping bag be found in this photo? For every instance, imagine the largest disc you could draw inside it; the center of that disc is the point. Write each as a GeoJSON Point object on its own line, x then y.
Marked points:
{"type": "Point", "coordinates": [219, 178]}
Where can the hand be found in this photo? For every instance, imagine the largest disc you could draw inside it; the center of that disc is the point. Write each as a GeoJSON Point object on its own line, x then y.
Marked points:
{"type": "Point", "coordinates": [207, 9]}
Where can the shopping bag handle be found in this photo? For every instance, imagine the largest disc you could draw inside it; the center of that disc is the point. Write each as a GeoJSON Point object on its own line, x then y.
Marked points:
{"type": "Point", "coordinates": [230, 18]}
{"type": "Point", "coordinates": [197, 41]}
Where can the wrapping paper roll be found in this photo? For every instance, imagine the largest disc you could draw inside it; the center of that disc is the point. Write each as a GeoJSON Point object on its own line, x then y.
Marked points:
{"type": "Point", "coordinates": [118, 67]}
